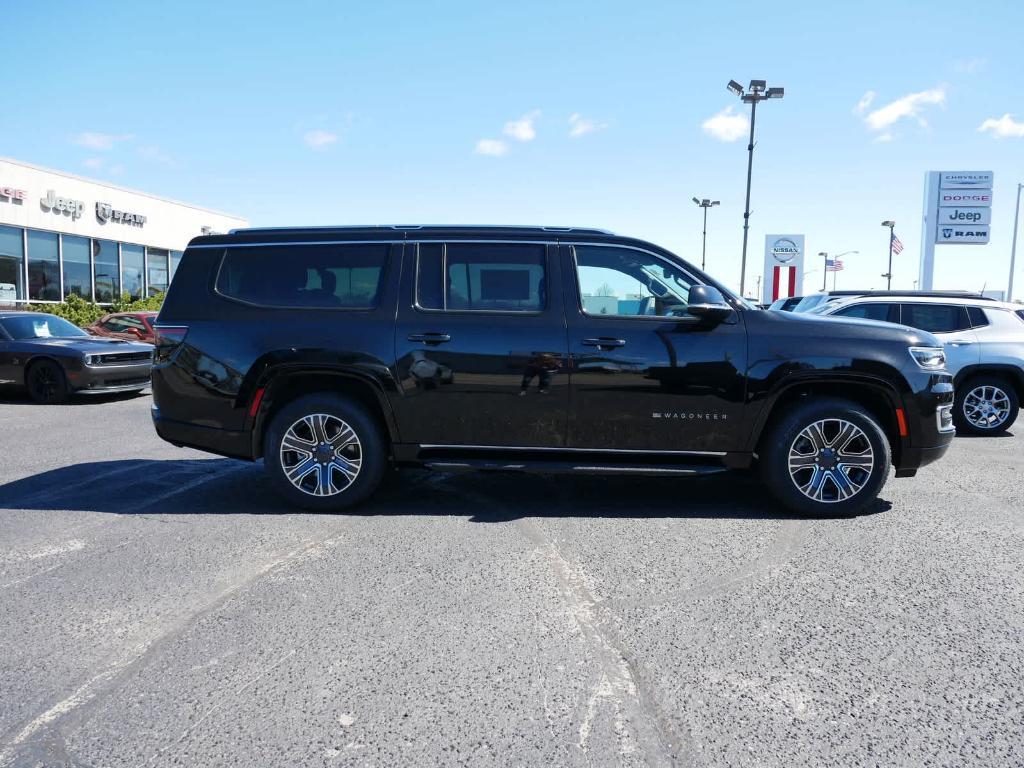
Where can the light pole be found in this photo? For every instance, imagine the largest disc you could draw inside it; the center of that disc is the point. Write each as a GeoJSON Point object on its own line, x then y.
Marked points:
{"type": "Point", "coordinates": [824, 279]}
{"type": "Point", "coordinates": [888, 275]}
{"type": "Point", "coordinates": [824, 269]}
{"type": "Point", "coordinates": [705, 204]}
{"type": "Point", "coordinates": [1013, 248]}
{"type": "Point", "coordinates": [757, 91]}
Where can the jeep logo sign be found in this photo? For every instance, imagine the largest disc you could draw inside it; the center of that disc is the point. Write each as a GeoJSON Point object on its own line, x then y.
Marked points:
{"type": "Point", "coordinates": [784, 250]}
{"type": "Point", "coordinates": [965, 216]}
{"type": "Point", "coordinates": [59, 205]}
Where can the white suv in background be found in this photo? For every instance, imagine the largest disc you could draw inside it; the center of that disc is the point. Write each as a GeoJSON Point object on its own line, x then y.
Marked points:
{"type": "Point", "coordinates": [984, 342]}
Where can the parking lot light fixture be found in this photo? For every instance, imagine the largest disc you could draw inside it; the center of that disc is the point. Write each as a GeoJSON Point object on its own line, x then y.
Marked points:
{"type": "Point", "coordinates": [705, 204]}
{"type": "Point", "coordinates": [888, 275]}
{"type": "Point", "coordinates": [757, 91]}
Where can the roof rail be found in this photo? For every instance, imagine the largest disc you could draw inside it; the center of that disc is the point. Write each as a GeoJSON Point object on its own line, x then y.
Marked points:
{"type": "Point", "coordinates": [435, 227]}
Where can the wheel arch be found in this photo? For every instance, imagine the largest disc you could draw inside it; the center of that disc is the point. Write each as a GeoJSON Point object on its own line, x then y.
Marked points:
{"type": "Point", "coordinates": [877, 397]}
{"type": "Point", "coordinates": [1011, 373]}
{"type": "Point", "coordinates": [279, 387]}
{"type": "Point", "coordinates": [41, 358]}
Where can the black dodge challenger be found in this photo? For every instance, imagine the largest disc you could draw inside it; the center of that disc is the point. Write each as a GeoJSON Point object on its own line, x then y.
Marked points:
{"type": "Point", "coordinates": [54, 358]}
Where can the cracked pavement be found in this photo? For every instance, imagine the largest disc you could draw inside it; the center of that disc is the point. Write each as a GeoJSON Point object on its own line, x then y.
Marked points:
{"type": "Point", "coordinates": [161, 607]}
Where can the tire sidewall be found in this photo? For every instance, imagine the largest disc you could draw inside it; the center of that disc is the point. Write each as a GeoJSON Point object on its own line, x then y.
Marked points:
{"type": "Point", "coordinates": [774, 458]}
{"type": "Point", "coordinates": [374, 452]}
{"type": "Point", "coordinates": [960, 419]}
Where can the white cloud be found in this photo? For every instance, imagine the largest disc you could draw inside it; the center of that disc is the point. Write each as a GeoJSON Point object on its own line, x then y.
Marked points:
{"type": "Point", "coordinates": [319, 139]}
{"type": "Point", "coordinates": [864, 103]}
{"type": "Point", "coordinates": [95, 163]}
{"type": "Point", "coordinates": [102, 142]}
{"type": "Point", "coordinates": [522, 129]}
{"type": "Point", "coordinates": [155, 154]}
{"type": "Point", "coordinates": [580, 126]}
{"type": "Point", "coordinates": [491, 147]}
{"type": "Point", "coordinates": [909, 106]}
{"type": "Point", "coordinates": [884, 138]}
{"type": "Point", "coordinates": [969, 66]}
{"type": "Point", "coordinates": [726, 126]}
{"type": "Point", "coordinates": [1003, 128]}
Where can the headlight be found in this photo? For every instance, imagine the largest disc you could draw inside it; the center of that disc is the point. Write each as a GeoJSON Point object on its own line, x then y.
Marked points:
{"type": "Point", "coordinates": [88, 359]}
{"type": "Point", "coordinates": [929, 358]}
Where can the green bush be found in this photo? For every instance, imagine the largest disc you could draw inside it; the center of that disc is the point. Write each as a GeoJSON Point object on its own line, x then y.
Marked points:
{"type": "Point", "coordinates": [83, 312]}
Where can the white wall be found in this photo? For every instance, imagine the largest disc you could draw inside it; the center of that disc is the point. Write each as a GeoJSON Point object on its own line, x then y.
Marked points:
{"type": "Point", "coordinates": [168, 224]}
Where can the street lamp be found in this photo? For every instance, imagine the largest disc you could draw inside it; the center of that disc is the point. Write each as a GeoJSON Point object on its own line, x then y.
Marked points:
{"type": "Point", "coordinates": [757, 91]}
{"type": "Point", "coordinates": [824, 278]}
{"type": "Point", "coordinates": [705, 204]}
{"type": "Point", "coordinates": [1013, 249]}
{"type": "Point", "coordinates": [888, 275]}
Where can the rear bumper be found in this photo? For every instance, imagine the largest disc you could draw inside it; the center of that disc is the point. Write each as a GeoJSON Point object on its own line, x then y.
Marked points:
{"type": "Point", "coordinates": [235, 445]}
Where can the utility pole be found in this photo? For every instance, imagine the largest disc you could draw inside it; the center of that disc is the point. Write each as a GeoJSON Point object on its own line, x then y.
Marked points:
{"type": "Point", "coordinates": [1013, 248]}
{"type": "Point", "coordinates": [757, 91]}
{"type": "Point", "coordinates": [705, 204]}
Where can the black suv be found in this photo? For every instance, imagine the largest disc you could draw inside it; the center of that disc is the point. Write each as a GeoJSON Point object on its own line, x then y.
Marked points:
{"type": "Point", "coordinates": [333, 353]}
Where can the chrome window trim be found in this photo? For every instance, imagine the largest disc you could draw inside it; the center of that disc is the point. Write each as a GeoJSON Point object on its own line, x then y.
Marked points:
{"type": "Point", "coordinates": [384, 271]}
{"type": "Point", "coordinates": [444, 268]}
{"type": "Point", "coordinates": [568, 449]}
{"type": "Point", "coordinates": [367, 241]}
{"type": "Point", "coordinates": [644, 318]}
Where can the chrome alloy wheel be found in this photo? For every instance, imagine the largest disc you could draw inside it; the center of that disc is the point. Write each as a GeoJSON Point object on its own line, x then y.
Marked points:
{"type": "Point", "coordinates": [831, 460]}
{"type": "Point", "coordinates": [321, 455]}
{"type": "Point", "coordinates": [986, 407]}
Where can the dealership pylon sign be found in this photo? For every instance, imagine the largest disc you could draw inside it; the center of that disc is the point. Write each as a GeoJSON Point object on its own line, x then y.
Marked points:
{"type": "Point", "coordinates": [783, 266]}
{"type": "Point", "coordinates": [957, 211]}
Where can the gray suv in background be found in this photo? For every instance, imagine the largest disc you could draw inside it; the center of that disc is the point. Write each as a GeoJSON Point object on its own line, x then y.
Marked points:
{"type": "Point", "coordinates": [984, 342]}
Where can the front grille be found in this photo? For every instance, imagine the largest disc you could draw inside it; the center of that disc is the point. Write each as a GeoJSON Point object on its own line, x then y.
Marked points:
{"type": "Point", "coordinates": [120, 358]}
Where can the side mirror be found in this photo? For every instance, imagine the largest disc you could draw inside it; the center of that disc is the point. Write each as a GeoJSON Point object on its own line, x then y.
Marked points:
{"type": "Point", "coordinates": [706, 301]}
{"type": "Point", "coordinates": [135, 332]}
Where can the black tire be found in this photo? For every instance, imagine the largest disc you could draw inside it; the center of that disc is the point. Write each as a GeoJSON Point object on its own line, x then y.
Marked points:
{"type": "Point", "coordinates": [46, 382]}
{"type": "Point", "coordinates": [821, 478]}
{"type": "Point", "coordinates": [999, 388]}
{"type": "Point", "coordinates": [370, 449]}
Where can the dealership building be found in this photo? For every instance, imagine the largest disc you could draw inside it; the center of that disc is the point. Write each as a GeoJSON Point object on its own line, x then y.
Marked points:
{"type": "Point", "coordinates": [61, 234]}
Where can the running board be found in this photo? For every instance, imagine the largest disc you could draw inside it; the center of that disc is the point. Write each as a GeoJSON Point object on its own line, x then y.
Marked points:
{"type": "Point", "coordinates": [571, 467]}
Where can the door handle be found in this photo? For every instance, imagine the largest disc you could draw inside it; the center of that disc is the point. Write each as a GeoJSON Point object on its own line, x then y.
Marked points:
{"type": "Point", "coordinates": [430, 338]}
{"type": "Point", "coordinates": [604, 342]}
{"type": "Point", "coordinates": [959, 343]}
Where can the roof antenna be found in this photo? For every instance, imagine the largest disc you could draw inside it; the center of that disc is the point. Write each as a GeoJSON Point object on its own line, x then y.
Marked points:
{"type": "Point", "coordinates": [983, 286]}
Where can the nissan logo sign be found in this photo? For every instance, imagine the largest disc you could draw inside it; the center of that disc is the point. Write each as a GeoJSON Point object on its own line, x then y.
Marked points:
{"type": "Point", "coordinates": [784, 250]}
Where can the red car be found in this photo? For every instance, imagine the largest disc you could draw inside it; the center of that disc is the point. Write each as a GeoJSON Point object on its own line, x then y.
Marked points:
{"type": "Point", "coordinates": [133, 326]}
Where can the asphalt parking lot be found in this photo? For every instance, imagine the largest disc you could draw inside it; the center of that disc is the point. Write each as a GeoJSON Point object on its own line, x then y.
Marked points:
{"type": "Point", "coordinates": [160, 607]}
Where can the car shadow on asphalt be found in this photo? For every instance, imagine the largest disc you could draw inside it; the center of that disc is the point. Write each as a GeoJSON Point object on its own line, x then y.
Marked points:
{"type": "Point", "coordinates": [21, 397]}
{"type": "Point", "coordinates": [226, 487]}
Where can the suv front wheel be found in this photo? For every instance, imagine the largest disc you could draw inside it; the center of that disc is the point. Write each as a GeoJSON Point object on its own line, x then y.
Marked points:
{"type": "Point", "coordinates": [985, 405]}
{"type": "Point", "coordinates": [324, 453]}
{"type": "Point", "coordinates": [825, 457]}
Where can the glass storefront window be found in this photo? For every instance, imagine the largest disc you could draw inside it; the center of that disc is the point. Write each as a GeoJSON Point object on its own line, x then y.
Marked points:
{"type": "Point", "coordinates": [12, 255]}
{"type": "Point", "coordinates": [77, 272]}
{"type": "Point", "coordinates": [133, 262]}
{"type": "Point", "coordinates": [108, 283]}
{"type": "Point", "coordinates": [156, 270]}
{"type": "Point", "coordinates": [175, 260]}
{"type": "Point", "coordinates": [43, 266]}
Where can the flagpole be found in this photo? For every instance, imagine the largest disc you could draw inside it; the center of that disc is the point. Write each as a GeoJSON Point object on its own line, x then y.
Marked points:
{"type": "Point", "coordinates": [888, 277]}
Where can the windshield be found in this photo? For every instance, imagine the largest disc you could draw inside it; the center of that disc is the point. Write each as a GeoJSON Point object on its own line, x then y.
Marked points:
{"type": "Point", "coordinates": [40, 327]}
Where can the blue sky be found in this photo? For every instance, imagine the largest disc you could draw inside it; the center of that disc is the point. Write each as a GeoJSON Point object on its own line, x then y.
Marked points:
{"type": "Point", "coordinates": [340, 113]}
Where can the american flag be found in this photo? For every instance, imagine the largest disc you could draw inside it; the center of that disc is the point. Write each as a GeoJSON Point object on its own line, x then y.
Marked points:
{"type": "Point", "coordinates": [897, 246]}
{"type": "Point", "coordinates": [833, 265]}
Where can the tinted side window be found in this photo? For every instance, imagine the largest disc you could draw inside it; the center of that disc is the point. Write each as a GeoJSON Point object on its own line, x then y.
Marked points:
{"type": "Point", "coordinates": [936, 318]}
{"type": "Point", "coordinates": [481, 277]}
{"type": "Point", "coordinates": [627, 282]}
{"type": "Point", "coordinates": [977, 316]}
{"type": "Point", "coordinates": [884, 312]}
{"type": "Point", "coordinates": [315, 276]}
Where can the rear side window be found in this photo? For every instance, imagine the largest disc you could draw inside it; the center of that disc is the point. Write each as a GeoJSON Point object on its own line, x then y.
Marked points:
{"type": "Point", "coordinates": [977, 316]}
{"type": "Point", "coordinates": [481, 277]}
{"type": "Point", "coordinates": [313, 276]}
{"type": "Point", "coordinates": [885, 312]}
{"type": "Point", "coordinates": [936, 318]}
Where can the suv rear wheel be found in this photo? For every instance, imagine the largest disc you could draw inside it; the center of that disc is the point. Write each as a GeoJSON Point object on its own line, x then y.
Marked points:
{"type": "Point", "coordinates": [826, 457]}
{"type": "Point", "coordinates": [985, 405]}
{"type": "Point", "coordinates": [324, 453]}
